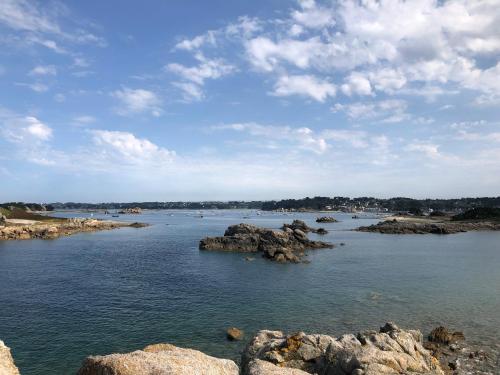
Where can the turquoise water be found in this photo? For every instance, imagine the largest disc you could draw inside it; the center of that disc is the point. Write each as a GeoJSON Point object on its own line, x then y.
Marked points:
{"type": "Point", "coordinates": [117, 291]}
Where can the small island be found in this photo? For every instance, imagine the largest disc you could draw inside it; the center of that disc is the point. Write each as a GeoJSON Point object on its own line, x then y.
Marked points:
{"type": "Point", "coordinates": [476, 219]}
{"type": "Point", "coordinates": [21, 224]}
{"type": "Point", "coordinates": [286, 245]}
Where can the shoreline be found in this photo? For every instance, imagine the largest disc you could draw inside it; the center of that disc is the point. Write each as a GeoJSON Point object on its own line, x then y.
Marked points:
{"type": "Point", "coordinates": [23, 229]}
{"type": "Point", "coordinates": [388, 350]}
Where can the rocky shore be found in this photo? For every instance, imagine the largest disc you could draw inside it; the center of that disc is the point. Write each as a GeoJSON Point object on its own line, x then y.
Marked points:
{"type": "Point", "coordinates": [30, 229]}
{"type": "Point", "coordinates": [286, 245]}
{"type": "Point", "coordinates": [411, 225]}
{"type": "Point", "coordinates": [389, 350]}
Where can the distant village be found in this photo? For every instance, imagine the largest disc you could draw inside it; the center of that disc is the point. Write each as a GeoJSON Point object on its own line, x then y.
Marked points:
{"type": "Point", "coordinates": [344, 204]}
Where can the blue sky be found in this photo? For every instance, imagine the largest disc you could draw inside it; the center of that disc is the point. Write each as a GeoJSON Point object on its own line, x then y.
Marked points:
{"type": "Point", "coordinates": [197, 100]}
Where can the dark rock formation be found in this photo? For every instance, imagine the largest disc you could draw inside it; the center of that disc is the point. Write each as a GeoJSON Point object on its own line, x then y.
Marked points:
{"type": "Point", "coordinates": [442, 335]}
{"type": "Point", "coordinates": [390, 351]}
{"type": "Point", "coordinates": [326, 219]}
{"type": "Point", "coordinates": [287, 245]}
{"type": "Point", "coordinates": [408, 227]}
{"type": "Point", "coordinates": [302, 226]}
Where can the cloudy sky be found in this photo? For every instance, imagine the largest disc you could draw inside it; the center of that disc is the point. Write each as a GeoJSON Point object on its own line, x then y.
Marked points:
{"type": "Point", "coordinates": [265, 99]}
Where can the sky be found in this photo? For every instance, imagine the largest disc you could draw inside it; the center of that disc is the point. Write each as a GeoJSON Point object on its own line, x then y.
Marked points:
{"type": "Point", "coordinates": [248, 100]}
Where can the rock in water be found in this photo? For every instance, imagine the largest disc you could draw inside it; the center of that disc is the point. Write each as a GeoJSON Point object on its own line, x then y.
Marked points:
{"type": "Point", "coordinates": [326, 219]}
{"type": "Point", "coordinates": [390, 351]}
{"type": "Point", "coordinates": [7, 366]}
{"type": "Point", "coordinates": [158, 359]}
{"type": "Point", "coordinates": [287, 245]}
{"type": "Point", "coordinates": [234, 334]}
{"type": "Point", "coordinates": [442, 335]}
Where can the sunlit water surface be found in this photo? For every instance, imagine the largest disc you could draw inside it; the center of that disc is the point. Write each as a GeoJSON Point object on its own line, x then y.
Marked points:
{"type": "Point", "coordinates": [116, 291]}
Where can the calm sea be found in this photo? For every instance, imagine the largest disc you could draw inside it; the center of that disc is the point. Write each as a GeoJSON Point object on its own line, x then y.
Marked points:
{"type": "Point", "coordinates": [116, 291]}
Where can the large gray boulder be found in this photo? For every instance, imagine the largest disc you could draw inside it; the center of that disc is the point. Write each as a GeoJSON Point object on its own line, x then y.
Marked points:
{"type": "Point", "coordinates": [159, 359]}
{"type": "Point", "coordinates": [286, 245]}
{"type": "Point", "coordinates": [7, 366]}
{"type": "Point", "coordinates": [388, 351]}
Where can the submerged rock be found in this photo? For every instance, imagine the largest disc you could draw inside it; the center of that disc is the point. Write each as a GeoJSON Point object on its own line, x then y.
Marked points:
{"type": "Point", "coordinates": [158, 359]}
{"type": "Point", "coordinates": [283, 246]}
{"type": "Point", "coordinates": [390, 351]}
{"type": "Point", "coordinates": [7, 366]}
{"type": "Point", "coordinates": [234, 334]}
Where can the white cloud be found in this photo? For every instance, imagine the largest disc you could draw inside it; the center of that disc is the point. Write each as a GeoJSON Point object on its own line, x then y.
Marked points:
{"type": "Point", "coordinates": [84, 120]}
{"type": "Point", "coordinates": [201, 40]}
{"type": "Point", "coordinates": [190, 91]}
{"type": "Point", "coordinates": [304, 85]}
{"type": "Point", "coordinates": [196, 76]}
{"type": "Point", "coordinates": [206, 69]}
{"type": "Point", "coordinates": [130, 148]}
{"type": "Point", "coordinates": [137, 101]}
{"type": "Point", "coordinates": [391, 110]}
{"type": "Point", "coordinates": [428, 149]}
{"type": "Point", "coordinates": [356, 84]}
{"type": "Point", "coordinates": [23, 15]}
{"type": "Point", "coordinates": [312, 15]}
{"type": "Point", "coordinates": [265, 54]}
{"type": "Point", "coordinates": [36, 87]}
{"type": "Point", "coordinates": [42, 70]}
{"type": "Point", "coordinates": [25, 129]}
{"type": "Point", "coordinates": [303, 137]}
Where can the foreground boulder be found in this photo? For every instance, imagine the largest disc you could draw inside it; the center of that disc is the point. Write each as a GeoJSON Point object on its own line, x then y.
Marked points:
{"type": "Point", "coordinates": [286, 245]}
{"type": "Point", "coordinates": [390, 351]}
{"type": "Point", "coordinates": [7, 366]}
{"type": "Point", "coordinates": [159, 359]}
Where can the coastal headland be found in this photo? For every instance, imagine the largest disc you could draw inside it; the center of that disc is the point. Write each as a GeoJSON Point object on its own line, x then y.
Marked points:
{"type": "Point", "coordinates": [18, 224]}
{"type": "Point", "coordinates": [478, 219]}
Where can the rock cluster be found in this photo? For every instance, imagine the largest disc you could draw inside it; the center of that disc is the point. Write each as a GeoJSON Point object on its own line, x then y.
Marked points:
{"type": "Point", "coordinates": [286, 245]}
{"type": "Point", "coordinates": [302, 226]}
{"type": "Point", "coordinates": [326, 219]}
{"type": "Point", "coordinates": [58, 229]}
{"type": "Point", "coordinates": [159, 359]}
{"type": "Point", "coordinates": [7, 366]}
{"type": "Point", "coordinates": [390, 351]}
{"type": "Point", "coordinates": [404, 227]}
{"type": "Point", "coordinates": [134, 210]}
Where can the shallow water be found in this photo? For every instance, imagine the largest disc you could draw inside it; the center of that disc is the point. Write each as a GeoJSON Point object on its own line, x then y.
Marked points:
{"type": "Point", "coordinates": [117, 291]}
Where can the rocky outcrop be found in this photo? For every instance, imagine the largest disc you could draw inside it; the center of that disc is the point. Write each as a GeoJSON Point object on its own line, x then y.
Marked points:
{"type": "Point", "coordinates": [391, 350]}
{"type": "Point", "coordinates": [286, 245]}
{"type": "Point", "coordinates": [159, 359]}
{"type": "Point", "coordinates": [58, 229]}
{"type": "Point", "coordinates": [407, 227]}
{"type": "Point", "coordinates": [7, 366]}
{"type": "Point", "coordinates": [442, 335]}
{"type": "Point", "coordinates": [326, 219]}
{"type": "Point", "coordinates": [302, 226]}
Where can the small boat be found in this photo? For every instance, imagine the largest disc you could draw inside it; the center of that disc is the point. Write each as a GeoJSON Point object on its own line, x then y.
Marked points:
{"type": "Point", "coordinates": [115, 215]}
